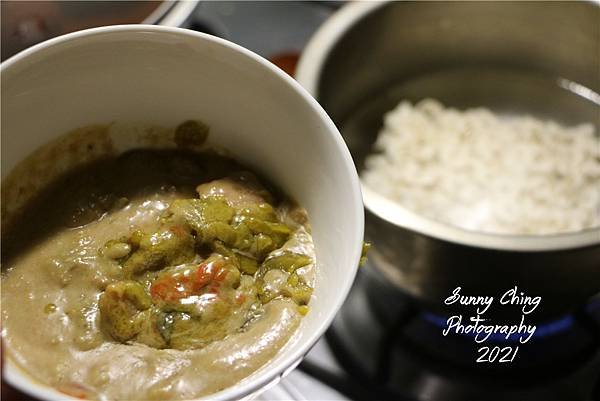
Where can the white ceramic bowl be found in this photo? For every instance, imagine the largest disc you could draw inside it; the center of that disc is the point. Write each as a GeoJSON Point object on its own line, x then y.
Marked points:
{"type": "Point", "coordinates": [159, 75]}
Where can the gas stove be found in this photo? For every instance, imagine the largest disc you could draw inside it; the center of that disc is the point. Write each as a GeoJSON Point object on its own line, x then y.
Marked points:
{"type": "Point", "coordinates": [365, 355]}
{"type": "Point", "coordinates": [407, 357]}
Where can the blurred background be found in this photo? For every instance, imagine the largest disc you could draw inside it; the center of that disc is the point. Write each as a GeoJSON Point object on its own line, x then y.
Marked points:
{"type": "Point", "coordinates": [277, 30]}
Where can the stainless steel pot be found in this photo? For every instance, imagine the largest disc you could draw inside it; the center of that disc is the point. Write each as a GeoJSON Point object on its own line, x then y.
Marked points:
{"type": "Point", "coordinates": [536, 58]}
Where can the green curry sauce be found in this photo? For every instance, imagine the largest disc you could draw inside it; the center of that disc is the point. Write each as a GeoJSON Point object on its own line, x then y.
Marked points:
{"type": "Point", "coordinates": [154, 274]}
{"type": "Point", "coordinates": [200, 276]}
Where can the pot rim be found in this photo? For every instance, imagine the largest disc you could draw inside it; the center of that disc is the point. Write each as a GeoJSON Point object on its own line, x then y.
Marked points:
{"type": "Point", "coordinates": [172, 13]}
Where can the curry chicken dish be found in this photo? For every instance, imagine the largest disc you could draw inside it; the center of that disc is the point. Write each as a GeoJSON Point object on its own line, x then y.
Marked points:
{"type": "Point", "coordinates": [154, 274]}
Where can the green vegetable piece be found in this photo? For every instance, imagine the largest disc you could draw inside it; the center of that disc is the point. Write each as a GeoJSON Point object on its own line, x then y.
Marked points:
{"type": "Point", "coordinates": [299, 293]}
{"type": "Point", "coordinates": [169, 246]}
{"type": "Point", "coordinates": [286, 261]}
{"type": "Point", "coordinates": [244, 237]}
{"type": "Point", "coordinates": [258, 236]}
{"type": "Point", "coordinates": [293, 280]}
{"type": "Point", "coordinates": [303, 309]}
{"type": "Point", "coordinates": [260, 211]}
{"type": "Point", "coordinates": [363, 256]}
{"type": "Point", "coordinates": [243, 230]}
{"type": "Point", "coordinates": [120, 307]}
{"type": "Point", "coordinates": [278, 232]}
{"type": "Point", "coordinates": [216, 208]}
{"type": "Point", "coordinates": [295, 289]}
{"type": "Point", "coordinates": [244, 263]}
{"type": "Point", "coordinates": [247, 265]}
{"type": "Point", "coordinates": [221, 249]}
{"type": "Point", "coordinates": [191, 134]}
{"type": "Point", "coordinates": [262, 245]}
{"type": "Point", "coordinates": [218, 231]}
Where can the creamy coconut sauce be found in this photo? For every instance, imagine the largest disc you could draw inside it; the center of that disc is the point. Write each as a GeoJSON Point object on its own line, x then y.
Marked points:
{"type": "Point", "coordinates": [52, 325]}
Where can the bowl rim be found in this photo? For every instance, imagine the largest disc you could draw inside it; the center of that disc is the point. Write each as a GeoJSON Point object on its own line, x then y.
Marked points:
{"type": "Point", "coordinates": [308, 73]}
{"type": "Point", "coordinates": [269, 373]}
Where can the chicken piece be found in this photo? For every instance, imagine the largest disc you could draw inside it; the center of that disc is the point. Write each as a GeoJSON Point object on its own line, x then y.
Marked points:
{"type": "Point", "coordinates": [206, 302]}
{"type": "Point", "coordinates": [196, 288]}
{"type": "Point", "coordinates": [122, 306]}
{"type": "Point", "coordinates": [154, 330]}
{"type": "Point", "coordinates": [277, 277]}
{"type": "Point", "coordinates": [239, 190]}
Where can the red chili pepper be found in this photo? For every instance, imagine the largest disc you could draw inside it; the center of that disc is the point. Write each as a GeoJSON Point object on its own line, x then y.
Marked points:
{"type": "Point", "coordinates": [171, 289]}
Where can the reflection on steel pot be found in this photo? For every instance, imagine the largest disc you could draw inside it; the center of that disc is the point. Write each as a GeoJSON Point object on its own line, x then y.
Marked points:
{"type": "Point", "coordinates": [528, 58]}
